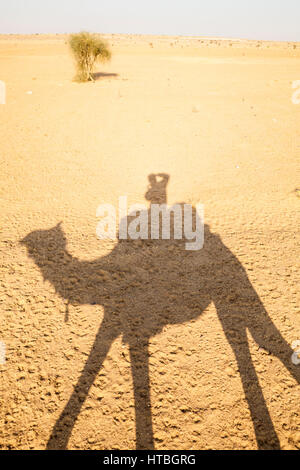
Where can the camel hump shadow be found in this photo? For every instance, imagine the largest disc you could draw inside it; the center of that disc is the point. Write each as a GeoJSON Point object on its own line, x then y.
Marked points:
{"type": "Point", "coordinates": [147, 284]}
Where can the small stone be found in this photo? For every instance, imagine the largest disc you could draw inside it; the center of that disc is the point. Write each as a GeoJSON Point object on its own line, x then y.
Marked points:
{"type": "Point", "coordinates": [100, 396]}
{"type": "Point", "coordinates": [296, 439]}
{"type": "Point", "coordinates": [31, 435]}
{"type": "Point", "coordinates": [230, 372]}
{"type": "Point", "coordinates": [10, 419]}
{"type": "Point", "coordinates": [21, 377]}
{"type": "Point", "coordinates": [159, 436]}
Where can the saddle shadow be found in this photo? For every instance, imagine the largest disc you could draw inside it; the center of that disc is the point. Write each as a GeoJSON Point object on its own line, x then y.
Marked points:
{"type": "Point", "coordinates": [147, 284]}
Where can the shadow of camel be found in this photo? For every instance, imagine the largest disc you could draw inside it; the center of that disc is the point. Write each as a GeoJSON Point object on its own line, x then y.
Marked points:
{"type": "Point", "coordinates": [145, 285]}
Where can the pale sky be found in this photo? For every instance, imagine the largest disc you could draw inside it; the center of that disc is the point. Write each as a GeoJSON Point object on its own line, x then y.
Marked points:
{"type": "Point", "coordinates": [253, 19]}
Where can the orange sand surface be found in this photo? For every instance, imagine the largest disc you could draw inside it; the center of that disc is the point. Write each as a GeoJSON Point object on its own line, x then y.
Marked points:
{"type": "Point", "coordinates": [194, 351]}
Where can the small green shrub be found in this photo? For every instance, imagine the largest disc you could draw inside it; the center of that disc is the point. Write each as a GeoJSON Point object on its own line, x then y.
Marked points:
{"type": "Point", "coordinates": [87, 48]}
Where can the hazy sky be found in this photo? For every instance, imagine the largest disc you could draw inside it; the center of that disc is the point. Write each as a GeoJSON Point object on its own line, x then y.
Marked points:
{"type": "Point", "coordinates": [257, 19]}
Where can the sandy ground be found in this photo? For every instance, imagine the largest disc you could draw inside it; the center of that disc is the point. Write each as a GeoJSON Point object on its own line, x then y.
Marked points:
{"type": "Point", "coordinates": [217, 117]}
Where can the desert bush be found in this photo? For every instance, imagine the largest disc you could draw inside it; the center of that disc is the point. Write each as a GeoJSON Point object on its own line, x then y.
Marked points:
{"type": "Point", "coordinates": [87, 48]}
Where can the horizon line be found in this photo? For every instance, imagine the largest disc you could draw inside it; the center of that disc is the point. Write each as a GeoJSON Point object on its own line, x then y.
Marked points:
{"type": "Point", "coordinates": [189, 36]}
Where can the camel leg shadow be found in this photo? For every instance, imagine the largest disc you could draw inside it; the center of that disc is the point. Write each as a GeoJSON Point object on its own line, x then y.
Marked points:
{"type": "Point", "coordinates": [62, 430]}
{"type": "Point", "coordinates": [267, 336]}
{"type": "Point", "coordinates": [139, 357]}
{"type": "Point", "coordinates": [265, 433]}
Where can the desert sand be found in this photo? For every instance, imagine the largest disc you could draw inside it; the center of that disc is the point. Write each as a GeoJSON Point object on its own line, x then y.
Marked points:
{"type": "Point", "coordinates": [206, 335]}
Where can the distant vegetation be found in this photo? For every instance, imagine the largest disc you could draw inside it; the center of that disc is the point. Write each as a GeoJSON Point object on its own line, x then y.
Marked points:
{"type": "Point", "coordinates": [87, 49]}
